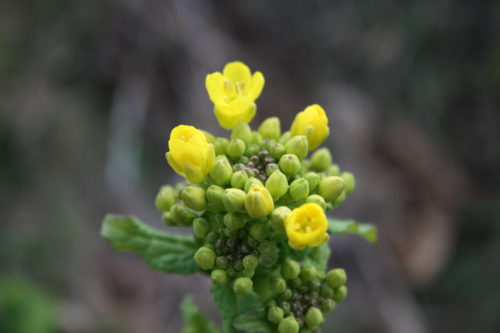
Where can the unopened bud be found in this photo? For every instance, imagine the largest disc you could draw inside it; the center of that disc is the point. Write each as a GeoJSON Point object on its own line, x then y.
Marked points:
{"type": "Point", "coordinates": [275, 314]}
{"type": "Point", "coordinates": [317, 199]}
{"type": "Point", "coordinates": [333, 170]}
{"type": "Point", "coordinates": [252, 149]}
{"type": "Point", "coordinates": [220, 145]}
{"type": "Point", "coordinates": [288, 325]}
{"type": "Point", "coordinates": [277, 150]}
{"type": "Point", "coordinates": [340, 294]}
{"type": "Point", "coordinates": [194, 197]}
{"type": "Point", "coordinates": [314, 317]}
{"type": "Point", "coordinates": [234, 221]}
{"type": "Point", "coordinates": [290, 269]}
{"type": "Point", "coordinates": [234, 199]}
{"type": "Point", "coordinates": [221, 172]}
{"type": "Point", "coordinates": [257, 138]}
{"type": "Point", "coordinates": [205, 258]}
{"type": "Point", "coordinates": [250, 182]}
{"type": "Point", "coordinates": [242, 286]}
{"type": "Point", "coordinates": [340, 199]}
{"type": "Point", "coordinates": [285, 137]}
{"type": "Point", "coordinates": [235, 148]}
{"type": "Point", "coordinates": [336, 277]}
{"type": "Point", "coordinates": [299, 189]}
{"type": "Point", "coordinates": [215, 195]}
{"type": "Point", "coordinates": [165, 198]}
{"type": "Point", "coordinates": [278, 217]}
{"type": "Point", "coordinates": [181, 215]}
{"type": "Point", "coordinates": [277, 285]}
{"type": "Point", "coordinates": [165, 217]}
{"type": "Point", "coordinates": [238, 179]}
{"type": "Point", "coordinates": [250, 262]}
{"type": "Point", "coordinates": [221, 262]}
{"type": "Point", "coordinates": [243, 132]}
{"type": "Point", "coordinates": [201, 227]}
{"type": "Point", "coordinates": [328, 305]}
{"type": "Point", "coordinates": [277, 184]}
{"type": "Point", "coordinates": [289, 164]}
{"type": "Point", "coordinates": [258, 202]}
{"type": "Point", "coordinates": [218, 276]}
{"type": "Point", "coordinates": [326, 291]}
{"type": "Point", "coordinates": [298, 145]}
{"type": "Point", "coordinates": [308, 273]}
{"type": "Point", "coordinates": [321, 159]}
{"type": "Point", "coordinates": [270, 168]}
{"type": "Point", "coordinates": [331, 187]}
{"type": "Point", "coordinates": [260, 231]}
{"type": "Point", "coordinates": [350, 182]}
{"type": "Point", "coordinates": [313, 180]}
{"type": "Point", "coordinates": [270, 128]}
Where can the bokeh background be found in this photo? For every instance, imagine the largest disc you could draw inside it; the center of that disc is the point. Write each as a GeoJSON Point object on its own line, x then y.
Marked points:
{"type": "Point", "coordinates": [89, 91]}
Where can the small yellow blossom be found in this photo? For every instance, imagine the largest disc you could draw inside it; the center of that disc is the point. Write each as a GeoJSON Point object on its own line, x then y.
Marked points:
{"type": "Point", "coordinates": [233, 93]}
{"type": "Point", "coordinates": [190, 155]}
{"type": "Point", "coordinates": [306, 226]}
{"type": "Point", "coordinates": [313, 123]}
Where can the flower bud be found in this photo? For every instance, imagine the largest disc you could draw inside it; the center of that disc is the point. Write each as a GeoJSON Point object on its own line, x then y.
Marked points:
{"type": "Point", "coordinates": [308, 273]}
{"type": "Point", "coordinates": [250, 182]}
{"type": "Point", "coordinates": [271, 168]}
{"type": "Point", "coordinates": [321, 159]}
{"type": "Point", "coordinates": [221, 172]}
{"type": "Point", "coordinates": [194, 197]}
{"type": "Point", "coordinates": [218, 276]}
{"type": "Point", "coordinates": [313, 180]}
{"type": "Point", "coordinates": [313, 123]}
{"type": "Point", "coordinates": [290, 269]}
{"type": "Point", "coordinates": [201, 227]}
{"type": "Point", "coordinates": [220, 145]}
{"type": "Point", "coordinates": [297, 145]}
{"type": "Point", "coordinates": [165, 217]}
{"type": "Point", "coordinates": [215, 195]}
{"type": "Point", "coordinates": [336, 277]}
{"type": "Point", "coordinates": [289, 164]}
{"type": "Point", "coordinates": [221, 262]}
{"type": "Point", "coordinates": [205, 258]}
{"type": "Point", "coordinates": [314, 317]}
{"type": "Point", "coordinates": [250, 262]}
{"type": "Point", "coordinates": [235, 148]}
{"type": "Point", "coordinates": [285, 137]}
{"type": "Point", "coordinates": [257, 138]}
{"type": "Point", "coordinates": [275, 314]}
{"type": "Point", "coordinates": [340, 294]}
{"type": "Point", "coordinates": [299, 189]}
{"type": "Point", "coordinates": [277, 285]}
{"type": "Point", "coordinates": [234, 221]}
{"type": "Point", "coordinates": [288, 325]}
{"type": "Point", "coordinates": [350, 182]}
{"type": "Point", "coordinates": [258, 202]}
{"type": "Point", "coordinates": [340, 199]}
{"type": "Point", "coordinates": [165, 198]}
{"type": "Point", "coordinates": [270, 128]}
{"type": "Point", "coordinates": [259, 231]}
{"type": "Point", "coordinates": [277, 150]}
{"type": "Point", "coordinates": [333, 170]}
{"type": "Point", "coordinates": [234, 199]}
{"type": "Point", "coordinates": [331, 187]}
{"type": "Point", "coordinates": [315, 284]}
{"type": "Point", "coordinates": [317, 199]}
{"type": "Point", "coordinates": [181, 215]}
{"type": "Point", "coordinates": [328, 305]}
{"type": "Point", "coordinates": [326, 291]}
{"type": "Point", "coordinates": [278, 217]}
{"type": "Point", "coordinates": [242, 132]}
{"type": "Point", "coordinates": [252, 149]}
{"type": "Point", "coordinates": [277, 184]}
{"type": "Point", "coordinates": [242, 286]}
{"type": "Point", "coordinates": [238, 179]}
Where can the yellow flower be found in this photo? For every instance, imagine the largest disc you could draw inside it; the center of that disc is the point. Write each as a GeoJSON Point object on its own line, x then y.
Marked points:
{"type": "Point", "coordinates": [313, 123]}
{"type": "Point", "coordinates": [190, 155]}
{"type": "Point", "coordinates": [306, 226]}
{"type": "Point", "coordinates": [233, 93]}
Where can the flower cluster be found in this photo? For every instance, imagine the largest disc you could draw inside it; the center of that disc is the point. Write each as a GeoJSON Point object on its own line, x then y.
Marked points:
{"type": "Point", "coordinates": [255, 199]}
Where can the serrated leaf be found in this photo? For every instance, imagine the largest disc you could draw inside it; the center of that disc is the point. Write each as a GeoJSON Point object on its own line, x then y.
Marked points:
{"type": "Point", "coordinates": [318, 256]}
{"type": "Point", "coordinates": [167, 252]}
{"type": "Point", "coordinates": [194, 320]}
{"type": "Point", "coordinates": [252, 322]}
{"type": "Point", "coordinates": [365, 230]}
{"type": "Point", "coordinates": [231, 305]}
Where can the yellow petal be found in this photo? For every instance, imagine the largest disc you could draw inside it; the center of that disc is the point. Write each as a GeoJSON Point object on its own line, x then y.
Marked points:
{"type": "Point", "coordinates": [230, 115]}
{"type": "Point", "coordinates": [237, 71]}
{"type": "Point", "coordinates": [256, 86]}
{"type": "Point", "coordinates": [215, 87]}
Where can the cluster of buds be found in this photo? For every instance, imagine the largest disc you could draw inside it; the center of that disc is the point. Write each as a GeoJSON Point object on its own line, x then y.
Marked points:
{"type": "Point", "coordinates": [255, 196]}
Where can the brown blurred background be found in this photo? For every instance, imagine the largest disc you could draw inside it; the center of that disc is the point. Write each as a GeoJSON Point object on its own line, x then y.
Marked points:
{"type": "Point", "coordinates": [89, 91]}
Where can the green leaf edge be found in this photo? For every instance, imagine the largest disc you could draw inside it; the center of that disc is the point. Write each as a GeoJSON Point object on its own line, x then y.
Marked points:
{"type": "Point", "coordinates": [342, 227]}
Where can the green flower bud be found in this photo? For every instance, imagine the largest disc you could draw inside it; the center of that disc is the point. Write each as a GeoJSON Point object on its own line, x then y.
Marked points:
{"type": "Point", "coordinates": [288, 325]}
{"type": "Point", "coordinates": [221, 262]}
{"type": "Point", "coordinates": [258, 202]}
{"type": "Point", "coordinates": [250, 262]}
{"type": "Point", "coordinates": [235, 148]}
{"type": "Point", "coordinates": [165, 217]}
{"type": "Point", "coordinates": [220, 145]}
{"type": "Point", "coordinates": [350, 182]}
{"type": "Point", "coordinates": [234, 221]}
{"type": "Point", "coordinates": [238, 179]}
{"type": "Point", "coordinates": [277, 285]}
{"type": "Point", "coordinates": [340, 199]}
{"type": "Point", "coordinates": [221, 172]}
{"type": "Point", "coordinates": [313, 180]}
{"type": "Point", "coordinates": [194, 197]}
{"type": "Point", "coordinates": [290, 269]}
{"type": "Point", "coordinates": [321, 159]}
{"type": "Point", "coordinates": [326, 291]}
{"type": "Point", "coordinates": [331, 187]}
{"type": "Point", "coordinates": [277, 150]}
{"type": "Point", "coordinates": [297, 145]}
{"type": "Point", "coordinates": [317, 199]}
{"type": "Point", "coordinates": [260, 231]}
{"type": "Point", "coordinates": [270, 128]}
{"type": "Point", "coordinates": [340, 294]}
{"type": "Point", "coordinates": [286, 307]}
{"type": "Point", "coordinates": [205, 258]}
{"type": "Point", "coordinates": [275, 314]}
{"type": "Point", "coordinates": [243, 132]}
{"type": "Point", "coordinates": [218, 276]}
{"type": "Point", "coordinates": [278, 217]}
{"type": "Point", "coordinates": [314, 317]}
{"type": "Point", "coordinates": [201, 227]}
{"type": "Point", "coordinates": [181, 215]}
{"type": "Point", "coordinates": [308, 273]}
{"type": "Point", "coordinates": [299, 189]}
{"type": "Point", "coordinates": [296, 283]}
{"type": "Point", "coordinates": [211, 237]}
{"type": "Point", "coordinates": [242, 286]}
{"type": "Point", "coordinates": [277, 184]}
{"type": "Point", "coordinates": [328, 305]}
{"type": "Point", "coordinates": [285, 137]}
{"type": "Point", "coordinates": [271, 168]}
{"type": "Point", "coordinates": [250, 182]}
{"type": "Point", "coordinates": [271, 303]}
{"type": "Point", "coordinates": [234, 199]}
{"type": "Point", "coordinates": [315, 284]}
{"type": "Point", "coordinates": [215, 195]}
{"type": "Point", "coordinates": [333, 170]}
{"type": "Point", "coordinates": [252, 149]}
{"type": "Point", "coordinates": [165, 198]}
{"type": "Point", "coordinates": [257, 138]}
{"type": "Point", "coordinates": [336, 277]}
{"type": "Point", "coordinates": [289, 164]}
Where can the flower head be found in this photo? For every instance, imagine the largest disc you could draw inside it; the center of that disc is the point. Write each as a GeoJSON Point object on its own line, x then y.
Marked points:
{"type": "Point", "coordinates": [306, 226]}
{"type": "Point", "coordinates": [233, 93]}
{"type": "Point", "coordinates": [313, 123]}
{"type": "Point", "coordinates": [190, 155]}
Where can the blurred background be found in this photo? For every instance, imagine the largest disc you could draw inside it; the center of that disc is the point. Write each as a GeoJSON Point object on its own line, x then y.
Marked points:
{"type": "Point", "coordinates": [89, 91]}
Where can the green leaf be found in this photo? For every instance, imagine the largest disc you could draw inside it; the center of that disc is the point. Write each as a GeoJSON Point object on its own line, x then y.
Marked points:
{"type": "Point", "coordinates": [231, 305]}
{"type": "Point", "coordinates": [365, 230]}
{"type": "Point", "coordinates": [194, 320]}
{"type": "Point", "coordinates": [252, 322]}
{"type": "Point", "coordinates": [167, 252]}
{"type": "Point", "coordinates": [318, 256]}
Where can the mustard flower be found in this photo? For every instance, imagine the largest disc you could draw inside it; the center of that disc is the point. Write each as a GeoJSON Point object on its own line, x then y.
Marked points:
{"type": "Point", "coordinates": [313, 123]}
{"type": "Point", "coordinates": [306, 226]}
